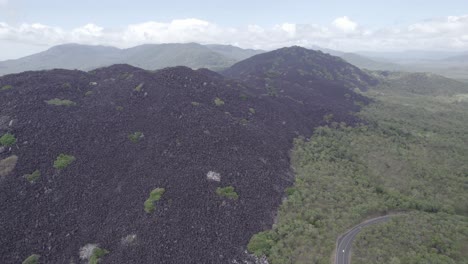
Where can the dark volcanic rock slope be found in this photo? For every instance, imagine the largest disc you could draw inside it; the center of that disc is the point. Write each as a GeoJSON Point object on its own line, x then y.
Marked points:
{"type": "Point", "coordinates": [299, 66]}
{"type": "Point", "coordinates": [192, 122]}
{"type": "Point", "coordinates": [310, 83]}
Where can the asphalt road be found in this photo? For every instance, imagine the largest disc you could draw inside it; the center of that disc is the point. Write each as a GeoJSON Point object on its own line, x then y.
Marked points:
{"type": "Point", "coordinates": [345, 241]}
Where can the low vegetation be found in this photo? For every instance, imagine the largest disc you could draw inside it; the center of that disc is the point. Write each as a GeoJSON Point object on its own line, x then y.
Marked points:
{"type": "Point", "coordinates": [218, 102]}
{"type": "Point", "coordinates": [98, 253]}
{"type": "Point", "coordinates": [63, 161]}
{"type": "Point", "coordinates": [89, 93]}
{"type": "Point", "coordinates": [328, 117]}
{"type": "Point", "coordinates": [195, 103]}
{"type": "Point", "coordinates": [6, 87]}
{"type": "Point", "coordinates": [136, 136]}
{"type": "Point", "coordinates": [7, 140]}
{"type": "Point", "coordinates": [155, 196]}
{"type": "Point", "coordinates": [139, 87]}
{"type": "Point", "coordinates": [126, 76]}
{"type": "Point", "coordinates": [411, 156]}
{"type": "Point", "coordinates": [244, 121]}
{"type": "Point", "coordinates": [60, 102]}
{"type": "Point", "coordinates": [7, 165]}
{"type": "Point", "coordinates": [227, 192]}
{"type": "Point", "coordinates": [33, 177]}
{"type": "Point", "coordinates": [243, 97]}
{"type": "Point", "coordinates": [33, 259]}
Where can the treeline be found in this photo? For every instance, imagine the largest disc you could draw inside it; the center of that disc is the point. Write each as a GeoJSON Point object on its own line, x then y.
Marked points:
{"type": "Point", "coordinates": [414, 238]}
{"type": "Point", "coordinates": [410, 155]}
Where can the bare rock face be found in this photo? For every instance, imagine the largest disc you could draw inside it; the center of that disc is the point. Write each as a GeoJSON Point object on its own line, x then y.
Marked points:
{"type": "Point", "coordinates": [192, 146]}
{"type": "Point", "coordinates": [4, 122]}
{"type": "Point", "coordinates": [213, 176]}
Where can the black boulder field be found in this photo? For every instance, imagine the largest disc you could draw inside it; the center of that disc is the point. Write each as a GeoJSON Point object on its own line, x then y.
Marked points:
{"type": "Point", "coordinates": [218, 145]}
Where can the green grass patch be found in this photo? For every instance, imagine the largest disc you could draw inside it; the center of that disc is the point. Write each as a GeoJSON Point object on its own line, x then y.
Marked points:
{"type": "Point", "coordinates": [136, 136]}
{"type": "Point", "coordinates": [195, 103]}
{"type": "Point", "coordinates": [218, 101]}
{"type": "Point", "coordinates": [7, 140]}
{"type": "Point", "coordinates": [89, 93]}
{"type": "Point", "coordinates": [227, 192]}
{"type": "Point", "coordinates": [63, 161]}
{"type": "Point", "coordinates": [33, 259]}
{"type": "Point", "coordinates": [60, 102]}
{"type": "Point", "coordinates": [98, 253]}
{"type": "Point", "coordinates": [6, 87]}
{"type": "Point", "coordinates": [155, 196]}
{"type": "Point", "coordinates": [33, 177]}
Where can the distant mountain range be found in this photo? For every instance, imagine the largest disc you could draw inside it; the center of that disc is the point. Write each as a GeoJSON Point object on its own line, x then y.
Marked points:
{"type": "Point", "coordinates": [419, 83]}
{"type": "Point", "coordinates": [149, 57]}
{"type": "Point", "coordinates": [219, 57]}
{"type": "Point", "coordinates": [449, 64]}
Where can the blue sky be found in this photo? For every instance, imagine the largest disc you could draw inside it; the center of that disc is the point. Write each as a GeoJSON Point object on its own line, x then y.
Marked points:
{"type": "Point", "coordinates": [116, 13]}
{"type": "Point", "coordinates": [27, 26]}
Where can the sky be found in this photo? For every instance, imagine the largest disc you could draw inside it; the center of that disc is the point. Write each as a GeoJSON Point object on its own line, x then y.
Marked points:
{"type": "Point", "coordinates": [30, 26]}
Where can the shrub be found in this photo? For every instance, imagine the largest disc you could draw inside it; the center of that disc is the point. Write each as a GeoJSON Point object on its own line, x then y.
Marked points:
{"type": "Point", "coordinates": [33, 177]}
{"type": "Point", "coordinates": [126, 76]}
{"type": "Point", "coordinates": [218, 101]}
{"type": "Point", "coordinates": [66, 85]}
{"type": "Point", "coordinates": [6, 87]}
{"type": "Point", "coordinates": [135, 137]}
{"type": "Point", "coordinates": [227, 192]}
{"type": "Point", "coordinates": [8, 165]}
{"type": "Point", "coordinates": [119, 108]}
{"type": "Point", "coordinates": [7, 140]}
{"type": "Point", "coordinates": [328, 117]}
{"type": "Point", "coordinates": [33, 259]}
{"type": "Point", "coordinates": [243, 97]}
{"type": "Point", "coordinates": [260, 244]}
{"type": "Point", "coordinates": [252, 111]}
{"type": "Point", "coordinates": [63, 161]}
{"type": "Point", "coordinates": [88, 93]}
{"type": "Point", "coordinates": [195, 103]}
{"type": "Point", "coordinates": [155, 196]}
{"type": "Point", "coordinates": [98, 253]}
{"type": "Point", "coordinates": [60, 102]}
{"type": "Point", "coordinates": [139, 87]}
{"type": "Point", "coordinates": [244, 121]}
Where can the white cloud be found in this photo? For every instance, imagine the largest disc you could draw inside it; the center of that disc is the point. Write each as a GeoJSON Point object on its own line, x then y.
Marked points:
{"type": "Point", "coordinates": [345, 24]}
{"type": "Point", "coordinates": [3, 2]}
{"type": "Point", "coordinates": [343, 33]}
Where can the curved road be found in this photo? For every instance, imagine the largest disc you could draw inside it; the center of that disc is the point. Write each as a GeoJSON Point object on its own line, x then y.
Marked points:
{"type": "Point", "coordinates": [345, 241]}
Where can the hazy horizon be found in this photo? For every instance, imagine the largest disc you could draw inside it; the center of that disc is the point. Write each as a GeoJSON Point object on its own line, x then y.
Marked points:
{"type": "Point", "coordinates": [28, 27]}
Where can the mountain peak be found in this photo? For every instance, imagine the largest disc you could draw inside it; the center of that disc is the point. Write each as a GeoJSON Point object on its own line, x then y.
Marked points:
{"type": "Point", "coordinates": [301, 65]}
